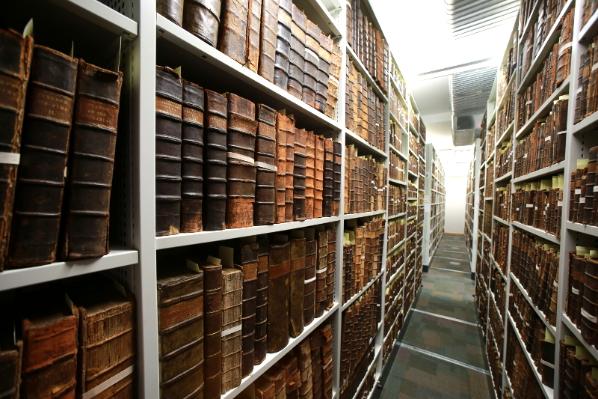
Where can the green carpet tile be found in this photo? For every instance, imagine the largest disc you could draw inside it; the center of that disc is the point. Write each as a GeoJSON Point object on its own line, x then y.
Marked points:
{"type": "Point", "coordinates": [444, 261]}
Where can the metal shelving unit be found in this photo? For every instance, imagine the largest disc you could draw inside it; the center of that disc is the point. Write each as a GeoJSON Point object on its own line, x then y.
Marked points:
{"type": "Point", "coordinates": [434, 205]}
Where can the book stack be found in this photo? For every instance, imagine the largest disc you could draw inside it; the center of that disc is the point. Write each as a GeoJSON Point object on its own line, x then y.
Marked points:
{"type": "Point", "coordinates": [397, 167]}
{"type": "Point", "coordinates": [535, 264]}
{"type": "Point", "coordinates": [500, 249]}
{"type": "Point", "coordinates": [365, 185]}
{"type": "Point", "coordinates": [518, 370]}
{"type": "Point", "coordinates": [396, 232]}
{"type": "Point", "coordinates": [578, 370]}
{"type": "Point", "coordinates": [583, 193]}
{"type": "Point", "coordinates": [55, 200]}
{"type": "Point", "coordinates": [545, 145]}
{"type": "Point", "coordinates": [397, 200]}
{"type": "Point", "coordinates": [538, 204]}
{"type": "Point", "coordinates": [581, 307]}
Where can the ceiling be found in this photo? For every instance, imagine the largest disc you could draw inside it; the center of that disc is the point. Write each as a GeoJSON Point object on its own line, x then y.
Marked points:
{"type": "Point", "coordinates": [448, 51]}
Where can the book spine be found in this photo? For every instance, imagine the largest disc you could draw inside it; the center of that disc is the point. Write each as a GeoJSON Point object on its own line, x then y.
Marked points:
{"type": "Point", "coordinates": [328, 177]}
{"type": "Point", "coordinates": [233, 32]}
{"type": "Point", "coordinates": [45, 141]}
{"type": "Point", "coordinates": [299, 163]}
{"type": "Point", "coordinates": [171, 9]}
{"type": "Point", "coordinates": [283, 45]}
{"type": "Point", "coordinates": [202, 18]}
{"type": "Point", "coordinates": [278, 293]}
{"type": "Point", "coordinates": [281, 166]}
{"type": "Point", "coordinates": [232, 303]}
{"type": "Point", "coordinates": [297, 283]}
{"type": "Point", "coordinates": [311, 259]}
{"type": "Point", "coordinates": [321, 272]}
{"type": "Point", "coordinates": [266, 167]}
{"type": "Point", "coordinates": [10, 364]}
{"type": "Point", "coordinates": [213, 316]}
{"type": "Point", "coordinates": [253, 35]}
{"type": "Point", "coordinates": [261, 309]}
{"type": "Point", "coordinates": [296, 55]}
{"type": "Point", "coordinates": [268, 39]}
{"type": "Point", "coordinates": [249, 264]}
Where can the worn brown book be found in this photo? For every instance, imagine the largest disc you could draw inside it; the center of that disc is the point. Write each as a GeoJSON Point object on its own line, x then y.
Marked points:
{"type": "Point", "coordinates": [11, 352]}
{"type": "Point", "coordinates": [299, 174]}
{"type": "Point", "coordinates": [181, 330]}
{"type": "Point", "coordinates": [296, 55]}
{"type": "Point", "coordinates": [261, 307]}
{"type": "Point", "coordinates": [310, 174]}
{"type": "Point", "coordinates": [292, 375]}
{"type": "Point", "coordinates": [265, 389]}
{"type": "Point", "coordinates": [265, 163]}
{"type": "Point", "coordinates": [283, 124]}
{"type": "Point", "coordinates": [328, 176]}
{"type": "Point", "coordinates": [321, 272]}
{"type": "Point", "coordinates": [283, 44]}
{"type": "Point", "coordinates": [15, 60]}
{"type": "Point", "coordinates": [171, 9]}
{"type": "Point", "coordinates": [44, 149]}
{"type": "Point", "coordinates": [305, 369]}
{"type": "Point", "coordinates": [323, 73]}
{"type": "Point", "coordinates": [278, 292]}
{"type": "Point", "coordinates": [290, 172]}
{"type": "Point", "coordinates": [254, 20]}
{"type": "Point", "coordinates": [91, 162]}
{"type": "Point", "coordinates": [248, 262]}
{"type": "Point", "coordinates": [331, 268]}
{"type": "Point", "coordinates": [215, 160]}
{"type": "Point", "coordinates": [202, 18]}
{"type": "Point", "coordinates": [337, 149]}
{"type": "Point", "coordinates": [327, 366]}
{"type": "Point", "coordinates": [49, 331]}
{"type": "Point", "coordinates": [319, 178]}
{"type": "Point", "coordinates": [297, 283]}
{"type": "Point", "coordinates": [232, 303]}
{"type": "Point", "coordinates": [233, 29]}
{"type": "Point", "coordinates": [311, 259]}
{"type": "Point", "coordinates": [106, 363]}
{"type": "Point", "coordinates": [169, 117]}
{"type": "Point", "coordinates": [315, 344]}
{"type": "Point", "coordinates": [268, 39]}
{"type": "Point", "coordinates": [213, 305]}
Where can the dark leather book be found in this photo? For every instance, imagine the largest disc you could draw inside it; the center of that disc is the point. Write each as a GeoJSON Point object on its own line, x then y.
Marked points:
{"type": "Point", "coordinates": [324, 61]}
{"type": "Point", "coordinates": [315, 344]}
{"type": "Point", "coordinates": [310, 174]}
{"type": "Point", "coordinates": [311, 259]}
{"type": "Point", "coordinates": [283, 44]}
{"type": "Point", "coordinates": [319, 177]}
{"type": "Point", "coordinates": [265, 163]}
{"type": "Point", "coordinates": [242, 129]}
{"type": "Point", "coordinates": [296, 60]}
{"type": "Point", "coordinates": [292, 376]}
{"type": "Point", "coordinates": [268, 39]}
{"type": "Point", "coordinates": [213, 305]}
{"type": "Point", "coordinates": [192, 156]}
{"type": "Point", "coordinates": [44, 150]}
{"type": "Point", "coordinates": [181, 330]}
{"type": "Point", "coordinates": [215, 160]}
{"type": "Point", "coordinates": [328, 176]}
{"type": "Point", "coordinates": [278, 292]}
{"type": "Point", "coordinates": [49, 332]}
{"type": "Point", "coordinates": [327, 365]}
{"type": "Point", "coordinates": [171, 9]}
{"type": "Point", "coordinates": [305, 369]}
{"type": "Point", "coordinates": [248, 262]}
{"type": "Point", "coordinates": [11, 353]}
{"type": "Point", "coordinates": [106, 338]}
{"type": "Point", "coordinates": [248, 393]}
{"type": "Point", "coordinates": [337, 149]}
{"type": "Point", "coordinates": [91, 162]}
{"type": "Point", "coordinates": [254, 19]}
{"type": "Point", "coordinates": [265, 389]}
{"type": "Point", "coordinates": [290, 172]}
{"type": "Point", "coordinates": [331, 268]}
{"type": "Point", "coordinates": [202, 18]}
{"type": "Point", "coordinates": [297, 282]}
{"type": "Point", "coordinates": [15, 60]}
{"type": "Point", "coordinates": [261, 308]}
{"type": "Point", "coordinates": [276, 377]}
{"type": "Point", "coordinates": [321, 271]}
{"type": "Point", "coordinates": [283, 124]}
{"type": "Point", "coordinates": [169, 117]}
{"type": "Point", "coordinates": [232, 303]}
{"type": "Point", "coordinates": [299, 174]}
{"type": "Point", "coordinates": [233, 29]}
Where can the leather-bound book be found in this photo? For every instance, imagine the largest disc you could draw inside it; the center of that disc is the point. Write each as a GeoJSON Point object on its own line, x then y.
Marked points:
{"type": "Point", "coordinates": [299, 175]}
{"type": "Point", "coordinates": [44, 149]}
{"type": "Point", "coordinates": [233, 30]}
{"type": "Point", "coordinates": [276, 377]}
{"type": "Point", "coordinates": [321, 272]}
{"type": "Point", "coordinates": [192, 155]}
{"type": "Point", "coordinates": [91, 162]}
{"type": "Point", "coordinates": [215, 160]}
{"type": "Point", "coordinates": [106, 338]}
{"type": "Point", "coordinates": [169, 127]}
{"type": "Point", "coordinates": [328, 176]}
{"type": "Point", "coordinates": [310, 174]}
{"type": "Point", "coordinates": [305, 369]}
{"type": "Point", "coordinates": [337, 178]}
{"type": "Point", "coordinates": [327, 366]}
{"type": "Point", "coordinates": [324, 61]}
{"type": "Point", "coordinates": [265, 163]}
{"type": "Point", "coordinates": [181, 330]}
{"type": "Point", "coordinates": [297, 282]}
{"type": "Point", "coordinates": [171, 9]}
{"type": "Point", "coordinates": [265, 389]}
{"type": "Point", "coordinates": [292, 376]}
{"type": "Point", "coordinates": [242, 128]}
{"type": "Point", "coordinates": [268, 39]}
{"type": "Point", "coordinates": [261, 308]}
{"type": "Point", "coordinates": [254, 19]}
{"type": "Point", "coordinates": [283, 44]}
{"type": "Point", "coordinates": [296, 60]}
{"type": "Point", "coordinates": [232, 301]}
{"type": "Point", "coordinates": [283, 124]}
{"type": "Point", "coordinates": [248, 262]}
{"type": "Point", "coordinates": [11, 352]}
{"type": "Point", "coordinates": [49, 331]}
{"type": "Point", "coordinates": [202, 18]}
{"type": "Point", "coordinates": [311, 259]}
{"type": "Point", "coordinates": [315, 344]}
{"type": "Point", "coordinates": [15, 61]}
{"type": "Point", "coordinates": [319, 179]}
{"type": "Point", "coordinates": [278, 292]}
{"type": "Point", "coordinates": [331, 268]}
{"type": "Point", "coordinates": [290, 173]}
{"type": "Point", "coordinates": [248, 393]}
{"type": "Point", "coordinates": [213, 305]}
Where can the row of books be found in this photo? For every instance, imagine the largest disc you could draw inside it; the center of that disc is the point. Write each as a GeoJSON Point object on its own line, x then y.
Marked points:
{"type": "Point", "coordinates": [506, 113]}
{"type": "Point", "coordinates": [364, 110]}
{"type": "Point", "coordinates": [504, 158]}
{"type": "Point", "coordinates": [396, 232]}
{"type": "Point", "coordinates": [578, 370]}
{"type": "Point", "coordinates": [519, 371]}
{"type": "Point", "coordinates": [545, 145]}
{"type": "Point", "coordinates": [535, 264]}
{"type": "Point", "coordinates": [306, 372]}
{"type": "Point", "coordinates": [493, 354]}
{"type": "Point", "coordinates": [397, 200]}
{"type": "Point", "coordinates": [395, 134]}
{"type": "Point", "coordinates": [368, 42]}
{"type": "Point", "coordinates": [500, 245]}
{"type": "Point", "coordinates": [61, 122]}
{"type": "Point", "coordinates": [397, 167]}
{"type": "Point", "coordinates": [489, 181]}
{"type": "Point", "coordinates": [220, 315]}
{"type": "Point", "coordinates": [394, 260]}
{"type": "Point", "coordinates": [257, 165]}
{"type": "Point", "coordinates": [502, 202]}
{"type": "Point", "coordinates": [397, 109]}
{"type": "Point", "coordinates": [583, 292]}
{"type": "Point", "coordinates": [539, 203]}
{"type": "Point", "coordinates": [583, 207]}
{"type": "Point", "coordinates": [362, 256]}
{"type": "Point", "coordinates": [365, 183]}
{"type": "Point", "coordinates": [271, 37]}
{"type": "Point", "coordinates": [73, 339]}
{"type": "Point", "coordinates": [586, 102]}
{"type": "Point", "coordinates": [393, 300]}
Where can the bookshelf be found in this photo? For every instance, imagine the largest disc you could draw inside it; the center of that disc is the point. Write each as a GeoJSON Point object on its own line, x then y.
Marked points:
{"type": "Point", "coordinates": [499, 255]}
{"type": "Point", "coordinates": [434, 204]}
{"type": "Point", "coordinates": [150, 39]}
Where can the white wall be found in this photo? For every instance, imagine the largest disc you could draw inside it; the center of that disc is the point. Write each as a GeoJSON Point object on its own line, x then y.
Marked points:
{"type": "Point", "coordinates": [455, 161]}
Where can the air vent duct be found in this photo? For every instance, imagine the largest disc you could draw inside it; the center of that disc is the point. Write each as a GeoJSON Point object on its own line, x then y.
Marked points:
{"type": "Point", "coordinates": [464, 130]}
